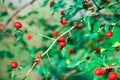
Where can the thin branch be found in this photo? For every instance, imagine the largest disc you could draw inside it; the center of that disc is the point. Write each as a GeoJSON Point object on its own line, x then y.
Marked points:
{"type": "Point", "coordinates": [41, 35]}
{"type": "Point", "coordinates": [103, 8]}
{"type": "Point", "coordinates": [20, 9]}
{"type": "Point", "coordinates": [96, 4]}
{"type": "Point", "coordinates": [30, 70]}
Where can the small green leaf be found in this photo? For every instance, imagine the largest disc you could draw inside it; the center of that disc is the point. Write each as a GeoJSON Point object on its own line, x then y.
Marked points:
{"type": "Point", "coordinates": [94, 36]}
{"type": "Point", "coordinates": [107, 27]}
{"type": "Point", "coordinates": [87, 20]}
{"type": "Point", "coordinates": [97, 26]}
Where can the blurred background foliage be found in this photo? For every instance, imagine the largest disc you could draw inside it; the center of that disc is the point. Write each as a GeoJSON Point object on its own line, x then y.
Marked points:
{"type": "Point", "coordinates": [39, 18]}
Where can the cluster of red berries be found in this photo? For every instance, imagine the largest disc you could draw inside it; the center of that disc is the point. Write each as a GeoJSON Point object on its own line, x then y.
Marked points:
{"type": "Point", "coordinates": [61, 42]}
{"type": "Point", "coordinates": [101, 71]}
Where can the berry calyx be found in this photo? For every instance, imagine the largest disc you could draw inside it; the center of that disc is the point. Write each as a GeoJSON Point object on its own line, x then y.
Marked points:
{"type": "Point", "coordinates": [62, 44]}
{"type": "Point", "coordinates": [97, 50]}
{"type": "Point", "coordinates": [99, 71]}
{"type": "Point", "coordinates": [63, 21]}
{"type": "Point", "coordinates": [18, 25]}
{"type": "Point", "coordinates": [109, 34]}
{"type": "Point", "coordinates": [52, 3]}
{"type": "Point", "coordinates": [55, 33]}
{"type": "Point", "coordinates": [113, 76]}
{"type": "Point", "coordinates": [88, 57]}
{"type": "Point", "coordinates": [71, 51]}
{"type": "Point", "coordinates": [37, 62]}
{"type": "Point", "coordinates": [109, 69]}
{"type": "Point", "coordinates": [14, 64]}
{"type": "Point", "coordinates": [29, 36]}
{"type": "Point", "coordinates": [39, 56]}
{"type": "Point", "coordinates": [62, 12]}
{"type": "Point", "coordinates": [89, 5]}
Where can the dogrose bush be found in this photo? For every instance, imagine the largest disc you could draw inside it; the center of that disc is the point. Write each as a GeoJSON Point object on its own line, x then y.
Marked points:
{"type": "Point", "coordinates": [60, 39]}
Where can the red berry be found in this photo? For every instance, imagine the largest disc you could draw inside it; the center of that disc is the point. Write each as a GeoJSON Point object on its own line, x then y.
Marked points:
{"type": "Point", "coordinates": [55, 33]}
{"type": "Point", "coordinates": [2, 26]}
{"type": "Point", "coordinates": [109, 69]}
{"type": "Point", "coordinates": [39, 56]}
{"type": "Point", "coordinates": [113, 76]}
{"type": "Point", "coordinates": [14, 64]}
{"type": "Point", "coordinates": [63, 21]}
{"type": "Point", "coordinates": [62, 44]}
{"type": "Point", "coordinates": [109, 34]}
{"type": "Point", "coordinates": [17, 25]}
{"type": "Point", "coordinates": [89, 5]}
{"type": "Point", "coordinates": [97, 50]}
{"type": "Point", "coordinates": [99, 71]}
{"type": "Point", "coordinates": [78, 27]}
{"type": "Point", "coordinates": [71, 51]}
{"type": "Point", "coordinates": [61, 39]}
{"type": "Point", "coordinates": [52, 3]}
{"type": "Point", "coordinates": [29, 36]}
{"type": "Point", "coordinates": [62, 12]}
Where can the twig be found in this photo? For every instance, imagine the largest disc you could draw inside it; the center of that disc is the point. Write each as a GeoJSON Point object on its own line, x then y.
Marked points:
{"type": "Point", "coordinates": [96, 4]}
{"type": "Point", "coordinates": [30, 70]}
{"type": "Point", "coordinates": [20, 9]}
{"type": "Point", "coordinates": [41, 35]}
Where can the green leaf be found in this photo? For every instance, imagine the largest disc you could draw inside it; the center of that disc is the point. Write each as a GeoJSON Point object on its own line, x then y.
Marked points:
{"type": "Point", "coordinates": [97, 26]}
{"type": "Point", "coordinates": [107, 27]}
{"type": "Point", "coordinates": [87, 21]}
{"type": "Point", "coordinates": [94, 36]}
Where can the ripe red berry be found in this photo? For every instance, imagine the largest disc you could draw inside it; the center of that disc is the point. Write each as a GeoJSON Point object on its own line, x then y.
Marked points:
{"type": "Point", "coordinates": [61, 39]}
{"type": "Point", "coordinates": [29, 36]}
{"type": "Point", "coordinates": [71, 51]}
{"type": "Point", "coordinates": [109, 69]}
{"type": "Point", "coordinates": [97, 50]}
{"type": "Point", "coordinates": [62, 44]}
{"type": "Point", "coordinates": [89, 5]}
{"type": "Point", "coordinates": [62, 12]}
{"type": "Point", "coordinates": [109, 34]}
{"type": "Point", "coordinates": [55, 33]}
{"type": "Point", "coordinates": [113, 76]}
{"type": "Point", "coordinates": [39, 56]}
{"type": "Point", "coordinates": [63, 21]}
{"type": "Point", "coordinates": [99, 71]}
{"type": "Point", "coordinates": [52, 3]}
{"type": "Point", "coordinates": [18, 25]}
{"type": "Point", "coordinates": [14, 64]}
